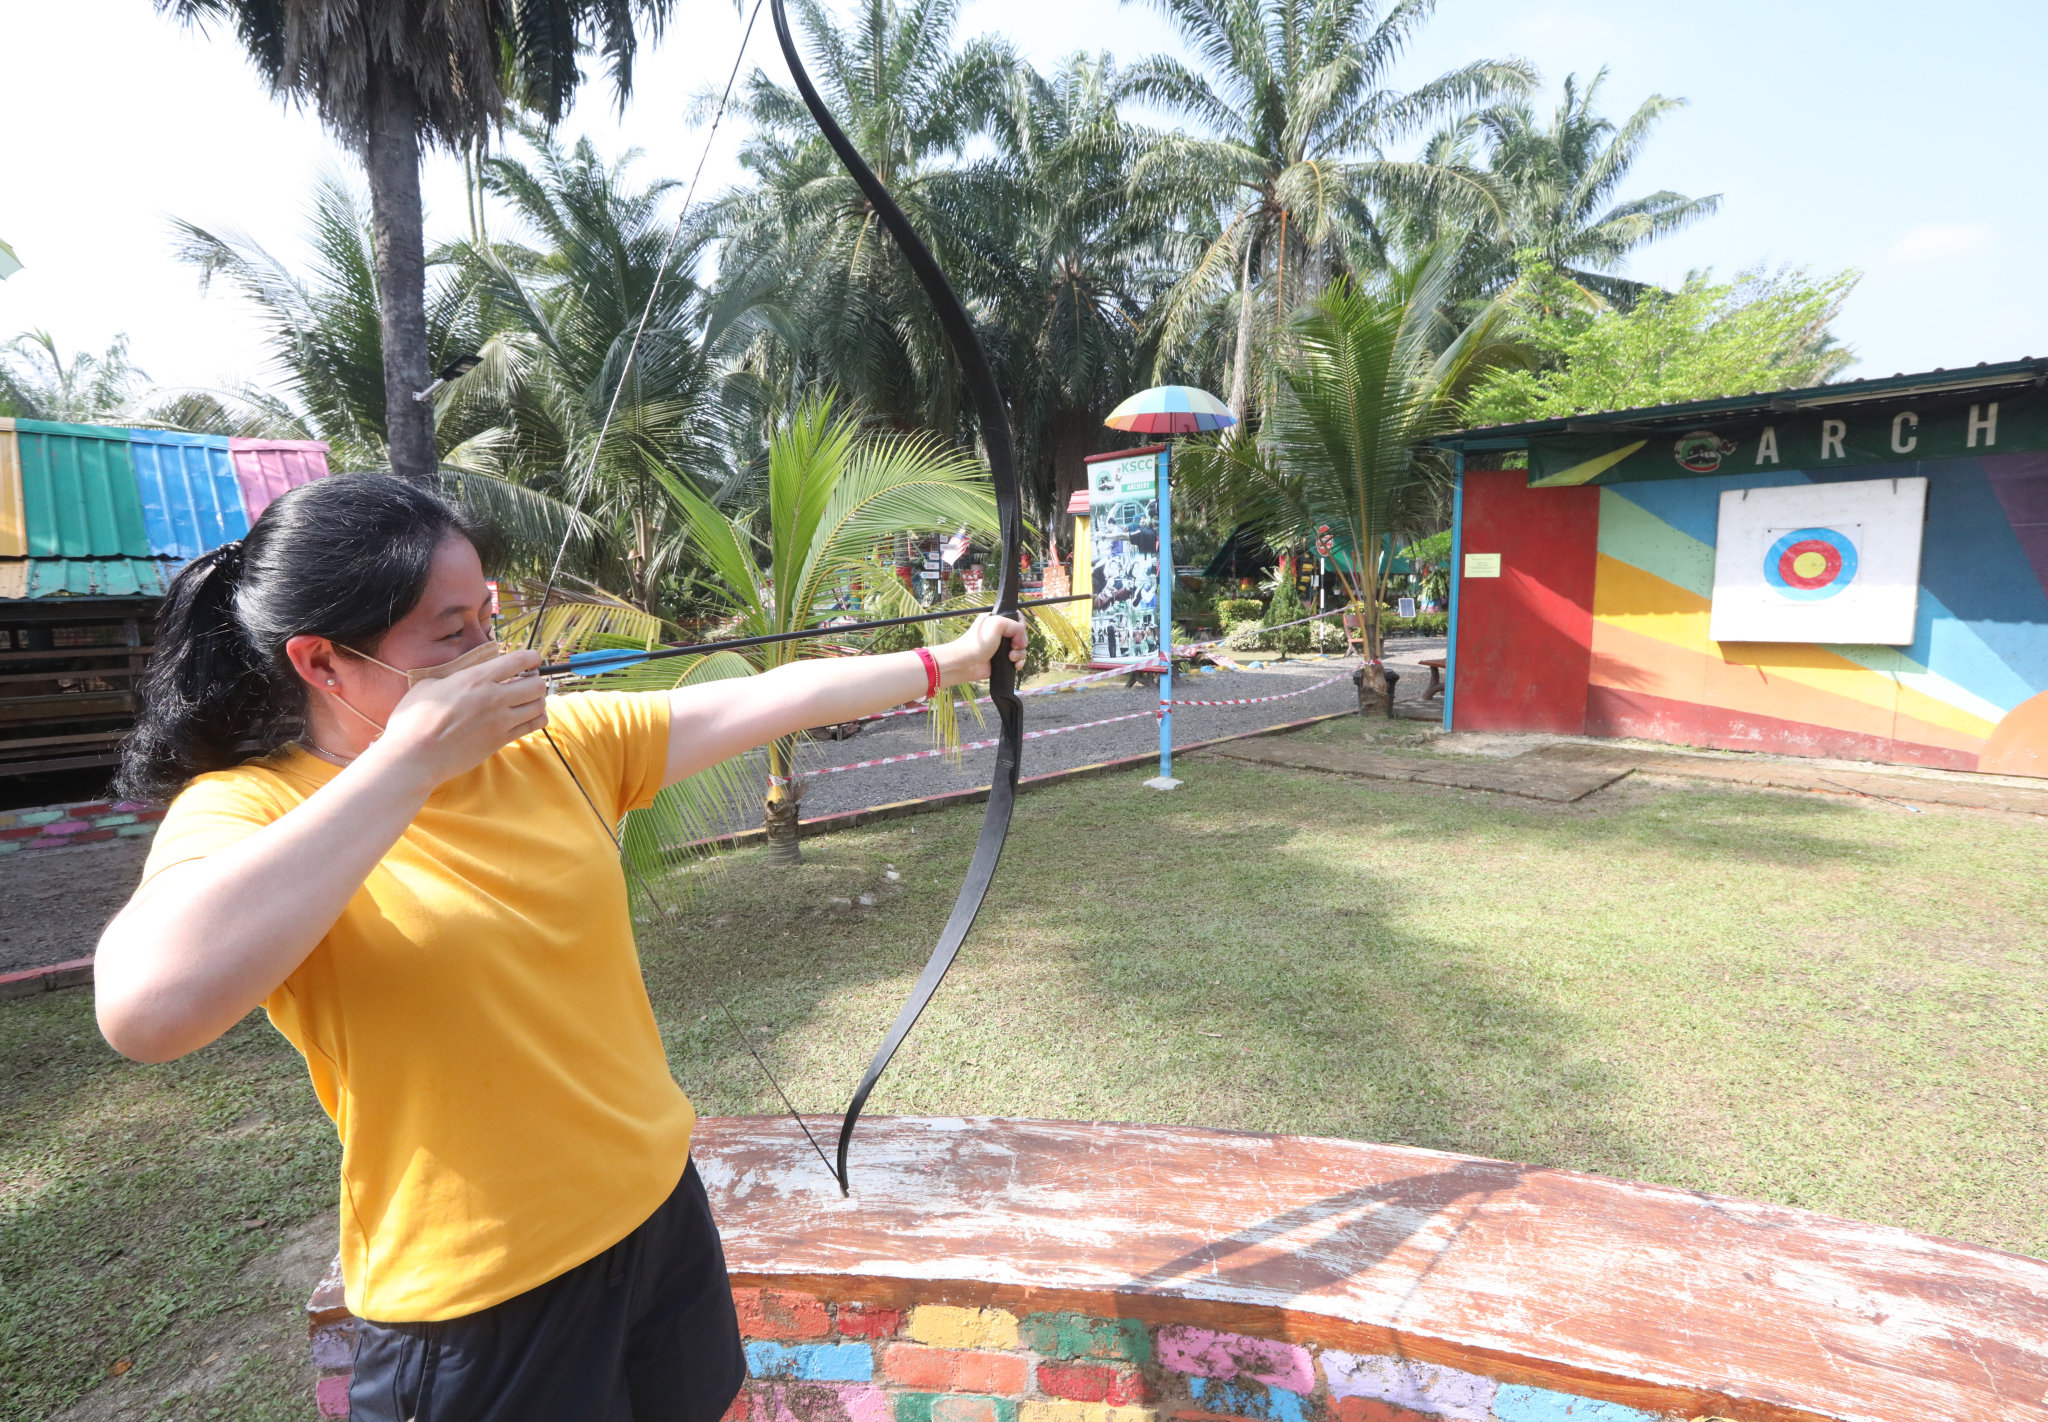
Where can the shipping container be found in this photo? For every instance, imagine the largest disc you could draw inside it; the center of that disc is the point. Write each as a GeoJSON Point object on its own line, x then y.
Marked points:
{"type": "Point", "coordinates": [13, 526]}
{"type": "Point", "coordinates": [266, 468]}
{"type": "Point", "coordinates": [191, 500]}
{"type": "Point", "coordinates": [79, 492]}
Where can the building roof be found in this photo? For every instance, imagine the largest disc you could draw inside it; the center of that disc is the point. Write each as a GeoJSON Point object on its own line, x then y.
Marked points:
{"type": "Point", "coordinates": [1846, 393]}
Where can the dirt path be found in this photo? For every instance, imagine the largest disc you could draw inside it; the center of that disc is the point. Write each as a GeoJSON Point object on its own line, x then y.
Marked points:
{"type": "Point", "coordinates": [54, 902]}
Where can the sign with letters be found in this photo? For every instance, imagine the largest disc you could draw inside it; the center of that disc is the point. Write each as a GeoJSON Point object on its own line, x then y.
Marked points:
{"type": "Point", "coordinates": [1814, 438]}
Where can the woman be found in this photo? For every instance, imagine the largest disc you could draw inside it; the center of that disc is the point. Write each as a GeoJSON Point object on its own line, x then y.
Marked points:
{"type": "Point", "coordinates": [372, 839]}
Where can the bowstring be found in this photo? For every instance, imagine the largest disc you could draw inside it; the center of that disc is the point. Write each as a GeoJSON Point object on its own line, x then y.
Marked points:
{"type": "Point", "coordinates": [640, 327]}
{"type": "Point", "coordinates": [667, 909]}
{"type": "Point", "coordinates": [569, 529]}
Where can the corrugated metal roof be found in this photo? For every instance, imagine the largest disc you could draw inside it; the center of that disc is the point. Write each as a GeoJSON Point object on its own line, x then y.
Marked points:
{"type": "Point", "coordinates": [13, 526]}
{"type": "Point", "coordinates": [78, 487]}
{"type": "Point", "coordinates": [1759, 402]}
{"type": "Point", "coordinates": [191, 500]}
{"type": "Point", "coordinates": [84, 577]}
{"type": "Point", "coordinates": [267, 467]}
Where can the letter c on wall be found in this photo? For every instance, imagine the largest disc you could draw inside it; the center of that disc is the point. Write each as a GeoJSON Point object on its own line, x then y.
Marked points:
{"type": "Point", "coordinates": [1903, 443]}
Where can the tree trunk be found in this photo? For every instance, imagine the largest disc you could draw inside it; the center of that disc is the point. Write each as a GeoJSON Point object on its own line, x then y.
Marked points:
{"type": "Point", "coordinates": [785, 795]}
{"type": "Point", "coordinates": [1241, 361]}
{"type": "Point", "coordinates": [391, 158]}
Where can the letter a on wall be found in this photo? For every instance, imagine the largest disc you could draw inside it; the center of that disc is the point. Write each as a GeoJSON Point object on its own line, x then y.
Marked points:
{"type": "Point", "coordinates": [1819, 563]}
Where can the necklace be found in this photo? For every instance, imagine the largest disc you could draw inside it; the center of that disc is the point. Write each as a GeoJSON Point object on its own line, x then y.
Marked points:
{"type": "Point", "coordinates": [327, 755]}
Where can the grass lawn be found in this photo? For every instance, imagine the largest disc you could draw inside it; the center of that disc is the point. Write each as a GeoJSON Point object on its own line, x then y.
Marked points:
{"type": "Point", "coordinates": [1831, 1004]}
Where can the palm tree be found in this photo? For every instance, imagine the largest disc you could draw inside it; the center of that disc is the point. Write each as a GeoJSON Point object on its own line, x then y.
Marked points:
{"type": "Point", "coordinates": [325, 382]}
{"type": "Point", "coordinates": [1559, 183]}
{"type": "Point", "coordinates": [37, 383]}
{"type": "Point", "coordinates": [1369, 370]}
{"type": "Point", "coordinates": [387, 75]}
{"type": "Point", "coordinates": [853, 315]}
{"type": "Point", "coordinates": [1299, 123]}
{"type": "Point", "coordinates": [562, 315]}
{"type": "Point", "coordinates": [833, 497]}
{"type": "Point", "coordinates": [1071, 257]}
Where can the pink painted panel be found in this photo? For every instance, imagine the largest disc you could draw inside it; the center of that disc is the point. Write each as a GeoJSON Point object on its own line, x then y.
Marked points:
{"type": "Point", "coordinates": [1209, 1354]}
{"type": "Point", "coordinates": [265, 468]}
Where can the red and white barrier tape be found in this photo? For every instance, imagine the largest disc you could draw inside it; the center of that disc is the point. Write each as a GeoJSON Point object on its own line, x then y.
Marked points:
{"type": "Point", "coordinates": [1259, 700]}
{"type": "Point", "coordinates": [964, 747]}
{"type": "Point", "coordinates": [918, 707]}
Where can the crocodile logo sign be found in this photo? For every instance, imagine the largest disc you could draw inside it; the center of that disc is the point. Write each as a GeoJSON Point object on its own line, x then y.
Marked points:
{"type": "Point", "coordinates": [1702, 451]}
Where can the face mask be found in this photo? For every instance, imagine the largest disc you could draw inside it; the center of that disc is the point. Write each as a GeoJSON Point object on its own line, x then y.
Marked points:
{"type": "Point", "coordinates": [475, 656]}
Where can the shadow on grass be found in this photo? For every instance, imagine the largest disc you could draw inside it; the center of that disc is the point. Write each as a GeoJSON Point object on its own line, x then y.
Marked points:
{"type": "Point", "coordinates": [1232, 956]}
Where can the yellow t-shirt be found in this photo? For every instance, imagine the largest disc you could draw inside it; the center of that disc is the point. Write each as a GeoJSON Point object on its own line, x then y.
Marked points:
{"type": "Point", "coordinates": [475, 1022]}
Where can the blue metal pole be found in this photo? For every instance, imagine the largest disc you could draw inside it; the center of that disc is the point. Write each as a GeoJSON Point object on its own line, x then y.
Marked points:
{"type": "Point", "coordinates": [1457, 575]}
{"type": "Point", "coordinates": [1166, 616]}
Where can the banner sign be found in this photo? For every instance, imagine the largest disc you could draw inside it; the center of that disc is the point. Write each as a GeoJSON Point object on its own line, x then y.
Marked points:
{"type": "Point", "coordinates": [1123, 542]}
{"type": "Point", "coordinates": [1877, 432]}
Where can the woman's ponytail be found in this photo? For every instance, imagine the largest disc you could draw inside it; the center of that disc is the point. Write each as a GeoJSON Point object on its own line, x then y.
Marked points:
{"type": "Point", "coordinates": [344, 558]}
{"type": "Point", "coordinates": [203, 693]}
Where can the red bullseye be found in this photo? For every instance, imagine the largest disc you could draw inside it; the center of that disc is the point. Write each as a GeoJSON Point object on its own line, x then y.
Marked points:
{"type": "Point", "coordinates": [1810, 563]}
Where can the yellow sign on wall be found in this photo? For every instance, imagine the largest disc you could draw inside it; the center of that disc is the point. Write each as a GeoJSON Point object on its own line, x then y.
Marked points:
{"type": "Point", "coordinates": [1482, 565]}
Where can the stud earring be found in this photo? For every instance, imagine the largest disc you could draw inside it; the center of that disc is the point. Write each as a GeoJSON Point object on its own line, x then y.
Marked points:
{"type": "Point", "coordinates": [330, 681]}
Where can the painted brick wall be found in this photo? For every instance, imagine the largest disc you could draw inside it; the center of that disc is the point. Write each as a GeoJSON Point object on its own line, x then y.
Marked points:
{"type": "Point", "coordinates": [86, 822]}
{"type": "Point", "coordinates": [817, 1359]}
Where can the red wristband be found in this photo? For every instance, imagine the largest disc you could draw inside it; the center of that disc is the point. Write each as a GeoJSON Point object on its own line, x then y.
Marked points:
{"type": "Point", "coordinates": [931, 672]}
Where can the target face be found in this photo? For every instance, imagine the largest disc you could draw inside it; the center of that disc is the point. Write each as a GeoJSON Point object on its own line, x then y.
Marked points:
{"type": "Point", "coordinates": [1809, 564]}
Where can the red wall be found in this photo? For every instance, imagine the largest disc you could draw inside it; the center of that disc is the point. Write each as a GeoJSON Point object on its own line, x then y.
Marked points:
{"type": "Point", "coordinates": [1525, 639]}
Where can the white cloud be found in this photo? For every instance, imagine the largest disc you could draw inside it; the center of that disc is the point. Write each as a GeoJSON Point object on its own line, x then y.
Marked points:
{"type": "Point", "coordinates": [1941, 242]}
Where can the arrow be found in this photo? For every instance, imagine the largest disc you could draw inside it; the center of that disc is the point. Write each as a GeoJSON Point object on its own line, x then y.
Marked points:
{"type": "Point", "coordinates": [611, 659]}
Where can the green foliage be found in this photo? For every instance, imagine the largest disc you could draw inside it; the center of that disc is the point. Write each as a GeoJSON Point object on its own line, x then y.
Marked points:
{"type": "Point", "coordinates": [1232, 610]}
{"type": "Point", "coordinates": [1245, 636]}
{"type": "Point", "coordinates": [37, 383]}
{"type": "Point", "coordinates": [1423, 624]}
{"type": "Point", "coordinates": [1707, 339]}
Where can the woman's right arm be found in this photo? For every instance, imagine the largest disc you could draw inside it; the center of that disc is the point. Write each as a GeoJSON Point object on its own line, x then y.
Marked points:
{"type": "Point", "coordinates": [204, 942]}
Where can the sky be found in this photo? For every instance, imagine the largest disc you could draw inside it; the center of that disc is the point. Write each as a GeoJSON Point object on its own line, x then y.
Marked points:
{"type": "Point", "coordinates": [1898, 139]}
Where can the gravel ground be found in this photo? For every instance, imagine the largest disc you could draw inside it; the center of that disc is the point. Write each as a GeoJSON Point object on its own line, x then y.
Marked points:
{"type": "Point", "coordinates": [884, 784]}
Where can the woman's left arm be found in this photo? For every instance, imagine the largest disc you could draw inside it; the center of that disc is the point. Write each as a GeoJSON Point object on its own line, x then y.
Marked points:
{"type": "Point", "coordinates": [717, 720]}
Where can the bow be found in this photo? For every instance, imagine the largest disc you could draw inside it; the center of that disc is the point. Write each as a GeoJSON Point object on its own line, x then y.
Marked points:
{"type": "Point", "coordinates": [994, 420]}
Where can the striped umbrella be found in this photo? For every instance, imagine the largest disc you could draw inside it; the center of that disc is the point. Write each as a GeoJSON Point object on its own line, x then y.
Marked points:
{"type": "Point", "coordinates": [1171, 409]}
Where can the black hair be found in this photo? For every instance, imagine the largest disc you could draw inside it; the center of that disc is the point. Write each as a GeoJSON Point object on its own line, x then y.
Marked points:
{"type": "Point", "coordinates": [343, 557]}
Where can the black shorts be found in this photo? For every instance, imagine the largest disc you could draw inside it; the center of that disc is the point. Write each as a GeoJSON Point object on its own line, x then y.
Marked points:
{"type": "Point", "coordinates": [645, 1332]}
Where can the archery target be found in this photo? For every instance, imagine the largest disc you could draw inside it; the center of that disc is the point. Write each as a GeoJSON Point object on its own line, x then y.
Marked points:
{"type": "Point", "coordinates": [1827, 563]}
{"type": "Point", "coordinates": [1811, 563]}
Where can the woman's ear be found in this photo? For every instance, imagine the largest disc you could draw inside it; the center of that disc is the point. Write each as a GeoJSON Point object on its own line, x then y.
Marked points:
{"type": "Point", "coordinates": [313, 658]}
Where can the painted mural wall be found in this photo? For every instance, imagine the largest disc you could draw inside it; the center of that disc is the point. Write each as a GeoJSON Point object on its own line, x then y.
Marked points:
{"type": "Point", "coordinates": [1969, 692]}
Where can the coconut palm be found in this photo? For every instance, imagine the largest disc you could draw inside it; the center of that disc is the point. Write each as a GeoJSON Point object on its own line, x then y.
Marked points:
{"type": "Point", "coordinates": [1369, 370]}
{"type": "Point", "coordinates": [833, 496]}
{"type": "Point", "coordinates": [1298, 124]}
{"type": "Point", "coordinates": [38, 383]}
{"type": "Point", "coordinates": [323, 331]}
{"type": "Point", "coordinates": [1559, 182]}
{"type": "Point", "coordinates": [388, 75]}
{"type": "Point", "coordinates": [323, 337]}
{"type": "Point", "coordinates": [562, 313]}
{"type": "Point", "coordinates": [854, 317]}
{"type": "Point", "coordinates": [1071, 257]}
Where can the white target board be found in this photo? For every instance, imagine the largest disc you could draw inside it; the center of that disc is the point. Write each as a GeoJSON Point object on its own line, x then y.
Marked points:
{"type": "Point", "coordinates": [1819, 563]}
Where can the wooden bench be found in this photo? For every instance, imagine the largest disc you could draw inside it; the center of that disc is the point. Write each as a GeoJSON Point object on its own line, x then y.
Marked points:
{"type": "Point", "coordinates": [1436, 676]}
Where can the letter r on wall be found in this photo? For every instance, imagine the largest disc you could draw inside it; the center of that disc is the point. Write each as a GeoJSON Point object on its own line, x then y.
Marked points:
{"type": "Point", "coordinates": [1831, 433]}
